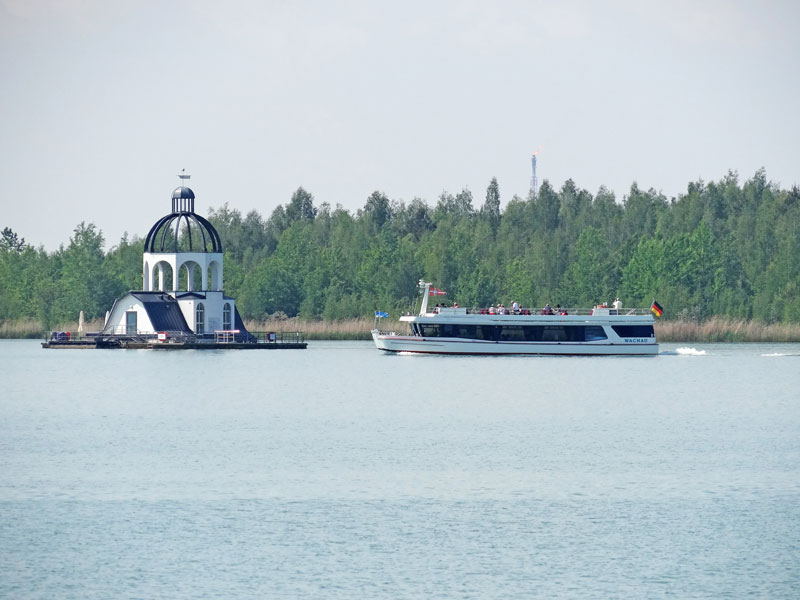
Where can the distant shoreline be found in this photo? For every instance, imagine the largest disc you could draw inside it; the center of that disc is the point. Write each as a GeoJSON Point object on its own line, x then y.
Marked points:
{"type": "Point", "coordinates": [710, 331]}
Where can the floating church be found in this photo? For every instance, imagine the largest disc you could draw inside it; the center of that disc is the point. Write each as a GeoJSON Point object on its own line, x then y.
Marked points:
{"type": "Point", "coordinates": [182, 303]}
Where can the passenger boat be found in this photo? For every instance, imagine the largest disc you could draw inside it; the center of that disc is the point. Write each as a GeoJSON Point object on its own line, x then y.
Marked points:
{"type": "Point", "coordinates": [601, 330]}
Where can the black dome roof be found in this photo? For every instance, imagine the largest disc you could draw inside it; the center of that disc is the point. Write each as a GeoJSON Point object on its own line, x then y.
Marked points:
{"type": "Point", "coordinates": [182, 193]}
{"type": "Point", "coordinates": [182, 230]}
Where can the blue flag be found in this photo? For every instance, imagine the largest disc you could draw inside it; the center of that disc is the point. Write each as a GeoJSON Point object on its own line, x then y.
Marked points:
{"type": "Point", "coordinates": [381, 315]}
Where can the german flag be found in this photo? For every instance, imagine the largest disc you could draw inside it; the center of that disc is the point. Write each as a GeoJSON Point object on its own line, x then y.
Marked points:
{"type": "Point", "coordinates": [656, 309]}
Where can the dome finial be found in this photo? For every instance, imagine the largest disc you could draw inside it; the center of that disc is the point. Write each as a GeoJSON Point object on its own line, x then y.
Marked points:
{"type": "Point", "coordinates": [182, 196]}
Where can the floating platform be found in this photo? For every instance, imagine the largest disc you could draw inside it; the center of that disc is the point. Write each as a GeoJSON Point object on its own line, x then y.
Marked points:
{"type": "Point", "coordinates": [259, 341]}
{"type": "Point", "coordinates": [84, 344]}
{"type": "Point", "coordinates": [134, 345]}
{"type": "Point", "coordinates": [212, 346]}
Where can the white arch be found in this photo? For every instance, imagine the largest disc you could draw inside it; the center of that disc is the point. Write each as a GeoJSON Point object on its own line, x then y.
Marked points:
{"type": "Point", "coordinates": [192, 285]}
{"type": "Point", "coordinates": [159, 268]}
{"type": "Point", "coordinates": [210, 266]}
{"type": "Point", "coordinates": [215, 275]}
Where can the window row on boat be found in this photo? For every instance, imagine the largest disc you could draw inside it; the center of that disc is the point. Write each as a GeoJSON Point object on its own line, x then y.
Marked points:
{"type": "Point", "coordinates": [530, 333]}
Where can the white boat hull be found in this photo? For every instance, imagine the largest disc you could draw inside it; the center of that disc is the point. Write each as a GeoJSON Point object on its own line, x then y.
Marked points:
{"type": "Point", "coordinates": [440, 345]}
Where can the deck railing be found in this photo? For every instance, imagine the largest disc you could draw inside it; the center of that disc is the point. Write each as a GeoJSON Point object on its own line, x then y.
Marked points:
{"type": "Point", "coordinates": [558, 311]}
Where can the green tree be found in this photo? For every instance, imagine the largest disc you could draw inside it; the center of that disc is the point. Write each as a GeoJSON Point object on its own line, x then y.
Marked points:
{"type": "Point", "coordinates": [84, 284]}
{"type": "Point", "coordinates": [590, 276]}
{"type": "Point", "coordinates": [377, 211]}
{"type": "Point", "coordinates": [301, 207]}
{"type": "Point", "coordinates": [11, 242]}
{"type": "Point", "coordinates": [490, 211]}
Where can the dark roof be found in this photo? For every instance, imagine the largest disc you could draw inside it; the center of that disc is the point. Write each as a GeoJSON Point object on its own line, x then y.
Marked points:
{"type": "Point", "coordinates": [182, 193]}
{"type": "Point", "coordinates": [237, 320]}
{"type": "Point", "coordinates": [183, 231]}
{"type": "Point", "coordinates": [191, 295]}
{"type": "Point", "coordinates": [164, 312]}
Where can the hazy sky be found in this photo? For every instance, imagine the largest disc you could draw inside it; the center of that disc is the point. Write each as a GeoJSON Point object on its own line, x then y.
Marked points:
{"type": "Point", "coordinates": [103, 103]}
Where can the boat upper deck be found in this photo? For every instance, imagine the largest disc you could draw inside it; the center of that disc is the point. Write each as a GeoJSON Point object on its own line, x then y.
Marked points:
{"type": "Point", "coordinates": [582, 315]}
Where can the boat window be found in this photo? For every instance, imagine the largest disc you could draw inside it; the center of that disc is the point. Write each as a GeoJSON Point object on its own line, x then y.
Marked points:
{"type": "Point", "coordinates": [429, 330]}
{"type": "Point", "coordinates": [513, 334]}
{"type": "Point", "coordinates": [490, 333]}
{"type": "Point", "coordinates": [554, 334]}
{"type": "Point", "coordinates": [631, 331]}
{"type": "Point", "coordinates": [448, 330]}
{"type": "Point", "coordinates": [533, 333]}
{"type": "Point", "coordinates": [516, 333]}
{"type": "Point", "coordinates": [594, 332]}
{"type": "Point", "coordinates": [467, 332]}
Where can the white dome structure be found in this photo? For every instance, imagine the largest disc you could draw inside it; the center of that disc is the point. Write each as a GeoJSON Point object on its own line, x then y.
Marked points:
{"type": "Point", "coordinates": [181, 269]}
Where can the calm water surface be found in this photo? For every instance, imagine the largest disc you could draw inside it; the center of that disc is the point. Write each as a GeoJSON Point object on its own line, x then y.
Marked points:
{"type": "Point", "coordinates": [339, 471]}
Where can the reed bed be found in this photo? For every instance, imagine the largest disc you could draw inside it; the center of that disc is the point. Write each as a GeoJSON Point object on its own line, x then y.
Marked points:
{"type": "Point", "coordinates": [726, 330]}
{"type": "Point", "coordinates": [347, 329]}
{"type": "Point", "coordinates": [712, 330]}
{"type": "Point", "coordinates": [26, 328]}
{"type": "Point", "coordinates": [33, 328]}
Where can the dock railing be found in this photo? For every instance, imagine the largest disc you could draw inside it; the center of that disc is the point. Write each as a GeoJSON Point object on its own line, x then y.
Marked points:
{"type": "Point", "coordinates": [278, 337]}
{"type": "Point", "coordinates": [178, 337]}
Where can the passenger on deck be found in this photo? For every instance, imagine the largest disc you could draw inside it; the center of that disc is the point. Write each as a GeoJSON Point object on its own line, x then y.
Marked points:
{"type": "Point", "coordinates": [515, 307]}
{"type": "Point", "coordinates": [547, 310]}
{"type": "Point", "coordinates": [491, 310]}
{"type": "Point", "coordinates": [617, 305]}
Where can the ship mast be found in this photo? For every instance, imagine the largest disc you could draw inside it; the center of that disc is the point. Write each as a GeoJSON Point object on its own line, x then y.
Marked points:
{"type": "Point", "coordinates": [425, 286]}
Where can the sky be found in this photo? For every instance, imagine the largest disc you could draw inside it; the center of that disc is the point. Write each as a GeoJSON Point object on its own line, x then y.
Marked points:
{"type": "Point", "coordinates": [103, 103]}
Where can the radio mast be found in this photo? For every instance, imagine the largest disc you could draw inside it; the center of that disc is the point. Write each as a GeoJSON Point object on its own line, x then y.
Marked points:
{"type": "Point", "coordinates": [534, 179]}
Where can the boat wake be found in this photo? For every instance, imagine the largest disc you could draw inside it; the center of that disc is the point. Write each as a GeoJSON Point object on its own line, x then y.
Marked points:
{"type": "Point", "coordinates": [782, 354]}
{"type": "Point", "coordinates": [684, 351]}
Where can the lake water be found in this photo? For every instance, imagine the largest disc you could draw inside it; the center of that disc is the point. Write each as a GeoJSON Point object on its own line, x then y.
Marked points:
{"type": "Point", "coordinates": [342, 472]}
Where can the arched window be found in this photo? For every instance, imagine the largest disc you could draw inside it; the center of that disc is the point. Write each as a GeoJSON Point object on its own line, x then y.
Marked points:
{"type": "Point", "coordinates": [226, 316]}
{"type": "Point", "coordinates": [199, 318]}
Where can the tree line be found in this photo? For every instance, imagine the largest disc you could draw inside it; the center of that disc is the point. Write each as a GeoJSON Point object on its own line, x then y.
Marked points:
{"type": "Point", "coordinates": [722, 248]}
